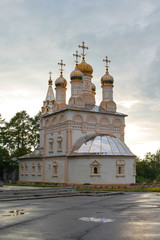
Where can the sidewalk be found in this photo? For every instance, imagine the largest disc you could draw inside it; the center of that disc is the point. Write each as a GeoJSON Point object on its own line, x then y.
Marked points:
{"type": "Point", "coordinates": [4, 188]}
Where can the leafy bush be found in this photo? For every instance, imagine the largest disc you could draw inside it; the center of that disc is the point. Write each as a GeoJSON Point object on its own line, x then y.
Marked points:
{"type": "Point", "coordinates": [140, 179]}
{"type": "Point", "coordinates": [158, 178]}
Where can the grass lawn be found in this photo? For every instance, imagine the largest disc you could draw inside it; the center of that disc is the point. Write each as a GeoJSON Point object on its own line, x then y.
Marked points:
{"type": "Point", "coordinates": [131, 189]}
{"type": "Point", "coordinates": [146, 189]}
{"type": "Point", "coordinates": [30, 185]}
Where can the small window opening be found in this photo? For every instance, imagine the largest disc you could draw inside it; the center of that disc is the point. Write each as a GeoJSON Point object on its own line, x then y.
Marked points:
{"type": "Point", "coordinates": [95, 170]}
{"type": "Point", "coordinates": [120, 170]}
{"type": "Point", "coordinates": [59, 145]}
{"type": "Point", "coordinates": [55, 170]}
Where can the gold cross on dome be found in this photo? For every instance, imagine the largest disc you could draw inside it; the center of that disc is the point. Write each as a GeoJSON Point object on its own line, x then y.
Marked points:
{"type": "Point", "coordinates": [107, 65]}
{"type": "Point", "coordinates": [50, 79]}
{"type": "Point", "coordinates": [50, 73]}
{"type": "Point", "coordinates": [62, 64]}
{"type": "Point", "coordinates": [83, 47]}
{"type": "Point", "coordinates": [77, 56]}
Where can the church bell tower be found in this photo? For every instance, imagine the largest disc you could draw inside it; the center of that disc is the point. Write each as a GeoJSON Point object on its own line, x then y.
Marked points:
{"type": "Point", "coordinates": [107, 90]}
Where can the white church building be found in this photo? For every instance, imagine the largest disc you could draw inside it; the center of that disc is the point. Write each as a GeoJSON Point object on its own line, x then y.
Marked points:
{"type": "Point", "coordinates": [80, 142]}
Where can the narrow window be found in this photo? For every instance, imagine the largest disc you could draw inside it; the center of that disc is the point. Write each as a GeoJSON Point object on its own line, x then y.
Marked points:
{"type": "Point", "coordinates": [95, 170]}
{"type": "Point", "coordinates": [59, 143]}
{"type": "Point", "coordinates": [51, 142]}
{"type": "Point", "coordinates": [134, 168]}
{"type": "Point", "coordinates": [120, 168]}
{"type": "Point", "coordinates": [26, 169]}
{"type": "Point", "coordinates": [55, 169]}
{"type": "Point", "coordinates": [22, 169]}
{"type": "Point", "coordinates": [39, 169]}
{"type": "Point", "coordinates": [33, 169]}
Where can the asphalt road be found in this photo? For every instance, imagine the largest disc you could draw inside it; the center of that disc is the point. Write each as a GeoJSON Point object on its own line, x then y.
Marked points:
{"type": "Point", "coordinates": [133, 216]}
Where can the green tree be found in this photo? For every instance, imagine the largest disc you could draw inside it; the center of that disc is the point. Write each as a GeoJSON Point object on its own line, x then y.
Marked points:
{"type": "Point", "coordinates": [17, 133]}
{"type": "Point", "coordinates": [5, 161]}
{"type": "Point", "coordinates": [21, 134]}
{"type": "Point", "coordinates": [2, 131]}
{"type": "Point", "coordinates": [148, 169]}
{"type": "Point", "coordinates": [17, 137]}
{"type": "Point", "coordinates": [35, 125]}
{"type": "Point", "coordinates": [154, 160]}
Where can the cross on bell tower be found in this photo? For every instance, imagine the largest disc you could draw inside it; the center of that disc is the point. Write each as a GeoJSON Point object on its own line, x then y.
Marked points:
{"type": "Point", "coordinates": [76, 57]}
{"type": "Point", "coordinates": [61, 68]}
{"type": "Point", "coordinates": [50, 79]}
{"type": "Point", "coordinates": [50, 73]}
{"type": "Point", "coordinates": [107, 63]}
{"type": "Point", "coordinates": [83, 47]}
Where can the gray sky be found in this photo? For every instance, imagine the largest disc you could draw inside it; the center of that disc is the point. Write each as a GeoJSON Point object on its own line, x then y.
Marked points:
{"type": "Point", "coordinates": [36, 34]}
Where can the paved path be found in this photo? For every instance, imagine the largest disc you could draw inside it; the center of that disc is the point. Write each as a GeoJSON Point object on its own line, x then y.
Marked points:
{"type": "Point", "coordinates": [135, 216]}
{"type": "Point", "coordinates": [6, 188]}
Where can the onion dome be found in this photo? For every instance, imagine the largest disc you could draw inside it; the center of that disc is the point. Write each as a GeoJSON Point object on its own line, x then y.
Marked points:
{"type": "Point", "coordinates": [107, 79]}
{"type": "Point", "coordinates": [76, 74]}
{"type": "Point", "coordinates": [61, 82]}
{"type": "Point", "coordinates": [85, 68]}
{"type": "Point", "coordinates": [93, 88]}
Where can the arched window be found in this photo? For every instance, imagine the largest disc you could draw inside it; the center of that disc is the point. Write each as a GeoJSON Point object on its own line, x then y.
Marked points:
{"type": "Point", "coordinates": [120, 168]}
{"type": "Point", "coordinates": [95, 168]}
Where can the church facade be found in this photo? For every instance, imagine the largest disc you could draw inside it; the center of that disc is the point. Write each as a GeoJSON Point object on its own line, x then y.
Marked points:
{"type": "Point", "coordinates": [80, 142]}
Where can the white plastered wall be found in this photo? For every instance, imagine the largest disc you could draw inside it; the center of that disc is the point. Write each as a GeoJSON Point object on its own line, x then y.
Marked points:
{"type": "Point", "coordinates": [29, 176]}
{"type": "Point", "coordinates": [79, 170]}
{"type": "Point", "coordinates": [49, 176]}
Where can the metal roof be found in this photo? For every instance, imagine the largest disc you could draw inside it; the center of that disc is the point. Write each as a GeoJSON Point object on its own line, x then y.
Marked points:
{"type": "Point", "coordinates": [101, 145]}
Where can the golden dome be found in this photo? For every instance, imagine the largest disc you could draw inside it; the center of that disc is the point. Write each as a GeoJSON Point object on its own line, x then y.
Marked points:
{"type": "Point", "coordinates": [85, 68]}
{"type": "Point", "coordinates": [107, 79]}
{"type": "Point", "coordinates": [76, 75]}
{"type": "Point", "coordinates": [61, 82]}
